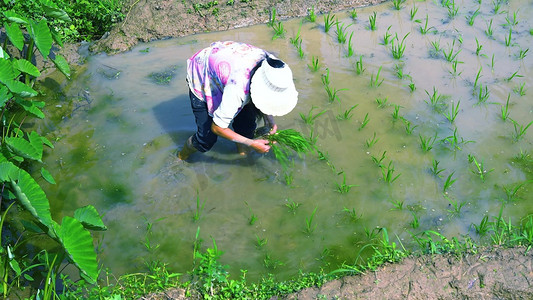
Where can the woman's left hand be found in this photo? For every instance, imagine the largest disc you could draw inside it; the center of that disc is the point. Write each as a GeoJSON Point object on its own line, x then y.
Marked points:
{"type": "Point", "coordinates": [273, 129]}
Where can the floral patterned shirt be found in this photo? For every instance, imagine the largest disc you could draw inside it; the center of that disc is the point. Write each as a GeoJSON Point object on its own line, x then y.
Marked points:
{"type": "Point", "coordinates": [220, 76]}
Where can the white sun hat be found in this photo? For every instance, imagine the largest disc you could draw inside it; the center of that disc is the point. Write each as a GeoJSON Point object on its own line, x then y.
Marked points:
{"type": "Point", "coordinates": [272, 89]}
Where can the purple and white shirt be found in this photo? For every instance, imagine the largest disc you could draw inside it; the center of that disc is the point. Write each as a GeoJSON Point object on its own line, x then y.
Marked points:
{"type": "Point", "coordinates": [220, 76]}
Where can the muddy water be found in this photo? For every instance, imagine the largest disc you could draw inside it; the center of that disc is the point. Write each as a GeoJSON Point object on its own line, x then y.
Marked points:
{"type": "Point", "coordinates": [118, 125]}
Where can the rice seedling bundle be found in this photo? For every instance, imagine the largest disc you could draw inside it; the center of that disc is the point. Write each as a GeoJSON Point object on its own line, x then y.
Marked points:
{"type": "Point", "coordinates": [286, 141]}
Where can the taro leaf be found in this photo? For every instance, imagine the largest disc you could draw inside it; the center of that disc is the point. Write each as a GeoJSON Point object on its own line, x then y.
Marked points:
{"type": "Point", "coordinates": [40, 33]}
{"type": "Point", "coordinates": [31, 227]}
{"type": "Point", "coordinates": [33, 107]}
{"type": "Point", "coordinates": [7, 170]}
{"type": "Point", "coordinates": [30, 149]}
{"type": "Point", "coordinates": [78, 243]}
{"type": "Point", "coordinates": [62, 64]}
{"type": "Point", "coordinates": [26, 67]}
{"type": "Point", "coordinates": [89, 218]}
{"type": "Point", "coordinates": [7, 72]}
{"type": "Point", "coordinates": [5, 95]}
{"type": "Point", "coordinates": [14, 17]}
{"type": "Point", "coordinates": [19, 88]}
{"type": "Point", "coordinates": [3, 54]}
{"type": "Point", "coordinates": [51, 10]}
{"type": "Point", "coordinates": [47, 176]}
{"type": "Point", "coordinates": [15, 35]}
{"type": "Point", "coordinates": [32, 197]}
{"type": "Point", "coordinates": [56, 36]}
{"type": "Point", "coordinates": [47, 142]}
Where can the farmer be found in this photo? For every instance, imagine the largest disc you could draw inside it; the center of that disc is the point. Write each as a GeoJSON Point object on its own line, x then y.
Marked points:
{"type": "Point", "coordinates": [231, 86]}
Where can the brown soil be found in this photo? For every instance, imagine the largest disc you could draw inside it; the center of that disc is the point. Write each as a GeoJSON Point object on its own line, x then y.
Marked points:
{"type": "Point", "coordinates": [495, 274]}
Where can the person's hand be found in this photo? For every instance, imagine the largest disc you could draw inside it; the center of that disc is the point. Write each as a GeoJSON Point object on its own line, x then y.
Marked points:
{"type": "Point", "coordinates": [273, 129]}
{"type": "Point", "coordinates": [260, 145]}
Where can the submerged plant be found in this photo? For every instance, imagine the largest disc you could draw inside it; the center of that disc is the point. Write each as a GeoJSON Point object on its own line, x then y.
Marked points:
{"type": "Point", "coordinates": [364, 122]}
{"type": "Point", "coordinates": [347, 114]}
{"type": "Point", "coordinates": [480, 169]}
{"type": "Point", "coordinates": [375, 82]}
{"type": "Point", "coordinates": [398, 48]}
{"type": "Point", "coordinates": [435, 170]}
{"type": "Point", "coordinates": [372, 21]}
{"type": "Point", "coordinates": [426, 143]}
{"type": "Point", "coordinates": [310, 117]}
{"type": "Point", "coordinates": [329, 21]}
{"type": "Point", "coordinates": [505, 109]}
{"type": "Point", "coordinates": [359, 67]}
{"type": "Point", "coordinates": [350, 46]}
{"type": "Point", "coordinates": [284, 141]}
{"type": "Point", "coordinates": [292, 206]}
{"type": "Point", "coordinates": [372, 141]}
{"type": "Point", "coordinates": [519, 130]}
{"type": "Point", "coordinates": [448, 183]}
{"type": "Point", "coordinates": [388, 173]}
{"type": "Point", "coordinates": [342, 187]}
{"type": "Point", "coordinates": [341, 32]}
{"type": "Point", "coordinates": [309, 226]}
{"type": "Point", "coordinates": [470, 19]}
{"type": "Point", "coordinates": [452, 115]}
{"type": "Point", "coordinates": [315, 64]}
{"type": "Point", "coordinates": [352, 214]}
{"type": "Point", "coordinates": [426, 29]}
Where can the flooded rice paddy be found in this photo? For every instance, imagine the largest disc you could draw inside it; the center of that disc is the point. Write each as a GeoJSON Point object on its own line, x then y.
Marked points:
{"type": "Point", "coordinates": [432, 139]}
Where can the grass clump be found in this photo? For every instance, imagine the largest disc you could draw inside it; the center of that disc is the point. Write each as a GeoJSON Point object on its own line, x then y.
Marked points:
{"type": "Point", "coordinates": [285, 141]}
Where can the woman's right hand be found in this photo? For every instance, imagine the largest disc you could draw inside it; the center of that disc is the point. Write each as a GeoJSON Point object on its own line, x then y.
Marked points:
{"type": "Point", "coordinates": [260, 145]}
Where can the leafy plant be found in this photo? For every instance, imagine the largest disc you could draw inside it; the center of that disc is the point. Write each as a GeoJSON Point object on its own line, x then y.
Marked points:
{"type": "Point", "coordinates": [347, 114]}
{"type": "Point", "coordinates": [398, 48]}
{"type": "Point", "coordinates": [309, 226]}
{"type": "Point", "coordinates": [287, 140]}
{"type": "Point", "coordinates": [315, 64]}
{"type": "Point", "coordinates": [372, 21]}
{"type": "Point", "coordinates": [342, 187]}
{"type": "Point", "coordinates": [310, 117]}
{"type": "Point", "coordinates": [329, 21]}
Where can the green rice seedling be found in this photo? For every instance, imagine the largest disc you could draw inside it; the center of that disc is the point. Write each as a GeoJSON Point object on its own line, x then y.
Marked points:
{"type": "Point", "coordinates": [283, 141]}
{"type": "Point", "coordinates": [272, 21]}
{"type": "Point", "coordinates": [310, 117]}
{"type": "Point", "coordinates": [359, 67]}
{"type": "Point", "coordinates": [454, 142]}
{"type": "Point", "coordinates": [451, 55]}
{"type": "Point", "coordinates": [313, 138]}
{"type": "Point", "coordinates": [455, 206]}
{"type": "Point", "coordinates": [454, 71]}
{"type": "Point", "coordinates": [415, 223]}
{"type": "Point", "coordinates": [347, 114]}
{"type": "Point", "coordinates": [309, 226]}
{"type": "Point", "coordinates": [492, 62]}
{"type": "Point", "coordinates": [480, 169]}
{"type": "Point", "coordinates": [412, 87]}
{"type": "Point", "coordinates": [199, 208]}
{"type": "Point", "coordinates": [351, 51]}
{"type": "Point", "coordinates": [378, 161]}
{"type": "Point", "coordinates": [483, 226]}
{"type": "Point", "coordinates": [409, 126]}
{"type": "Point", "coordinates": [301, 52]}
{"type": "Point", "coordinates": [489, 31]}
{"type": "Point", "coordinates": [311, 15]}
{"type": "Point", "coordinates": [399, 71]}
{"type": "Point", "coordinates": [483, 94]}
{"type": "Point", "coordinates": [253, 217]}
{"type": "Point", "coordinates": [436, 49]}
{"type": "Point", "coordinates": [333, 93]}
{"type": "Point", "coordinates": [292, 205]}
{"type": "Point", "coordinates": [288, 176]}
{"type": "Point", "coordinates": [279, 30]}
{"type": "Point", "coordinates": [511, 192]}
{"type": "Point", "coordinates": [435, 168]}
{"type": "Point", "coordinates": [297, 39]}
{"type": "Point", "coordinates": [329, 21]}
{"type": "Point", "coordinates": [353, 14]}
{"type": "Point", "coordinates": [426, 29]}
{"type": "Point", "coordinates": [372, 234]}
{"type": "Point", "coordinates": [426, 143]}
{"type": "Point", "coordinates": [364, 122]}
{"type": "Point", "coordinates": [352, 214]}
{"type": "Point", "coordinates": [388, 173]}
{"type": "Point", "coordinates": [412, 12]}
{"type": "Point", "coordinates": [381, 102]}
{"type": "Point", "coordinates": [522, 54]}
{"type": "Point", "coordinates": [470, 19]}
{"type": "Point", "coordinates": [374, 82]}
{"type": "Point", "coordinates": [512, 21]}
{"type": "Point", "coordinates": [496, 6]}
{"type": "Point", "coordinates": [325, 78]}
{"type": "Point", "coordinates": [478, 47]}
{"type": "Point", "coordinates": [396, 112]}
{"type": "Point", "coordinates": [397, 4]}
{"type": "Point", "coordinates": [452, 9]}
{"type": "Point", "coordinates": [509, 37]}
{"type": "Point", "coordinates": [399, 48]}
{"type": "Point", "coordinates": [315, 64]}
{"type": "Point", "coordinates": [519, 130]}
{"type": "Point", "coordinates": [436, 100]}
{"type": "Point", "coordinates": [448, 183]}
{"type": "Point", "coordinates": [478, 76]}
{"type": "Point", "coordinates": [260, 242]}
{"type": "Point", "coordinates": [372, 141]}
{"type": "Point", "coordinates": [515, 74]}
{"type": "Point", "coordinates": [520, 89]}
{"type": "Point", "coordinates": [387, 36]}
{"type": "Point", "coordinates": [341, 32]}
{"type": "Point", "coordinates": [342, 187]}
{"type": "Point", "coordinates": [372, 21]}
{"type": "Point", "coordinates": [271, 263]}
{"type": "Point", "coordinates": [397, 204]}
{"type": "Point", "coordinates": [505, 109]}
{"type": "Point", "coordinates": [452, 115]}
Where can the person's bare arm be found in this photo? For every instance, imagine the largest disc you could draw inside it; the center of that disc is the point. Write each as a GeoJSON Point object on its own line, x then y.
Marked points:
{"type": "Point", "coordinates": [259, 145]}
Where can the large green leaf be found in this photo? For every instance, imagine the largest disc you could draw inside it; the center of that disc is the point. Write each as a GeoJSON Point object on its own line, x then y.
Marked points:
{"type": "Point", "coordinates": [26, 67]}
{"type": "Point", "coordinates": [32, 197]}
{"type": "Point", "coordinates": [33, 107]}
{"type": "Point", "coordinates": [79, 245]}
{"type": "Point", "coordinates": [51, 10]}
{"type": "Point", "coordinates": [14, 17]}
{"type": "Point", "coordinates": [3, 54]}
{"type": "Point", "coordinates": [89, 218]}
{"type": "Point", "coordinates": [47, 176]}
{"type": "Point", "coordinates": [5, 95]}
{"type": "Point", "coordinates": [7, 171]}
{"type": "Point", "coordinates": [62, 64]}
{"type": "Point", "coordinates": [7, 72]}
{"type": "Point", "coordinates": [15, 35]}
{"type": "Point", "coordinates": [40, 33]}
{"type": "Point", "coordinates": [19, 88]}
{"type": "Point", "coordinates": [26, 148]}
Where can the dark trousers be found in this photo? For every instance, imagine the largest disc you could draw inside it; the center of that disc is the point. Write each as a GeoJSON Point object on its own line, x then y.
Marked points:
{"type": "Point", "coordinates": [204, 139]}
